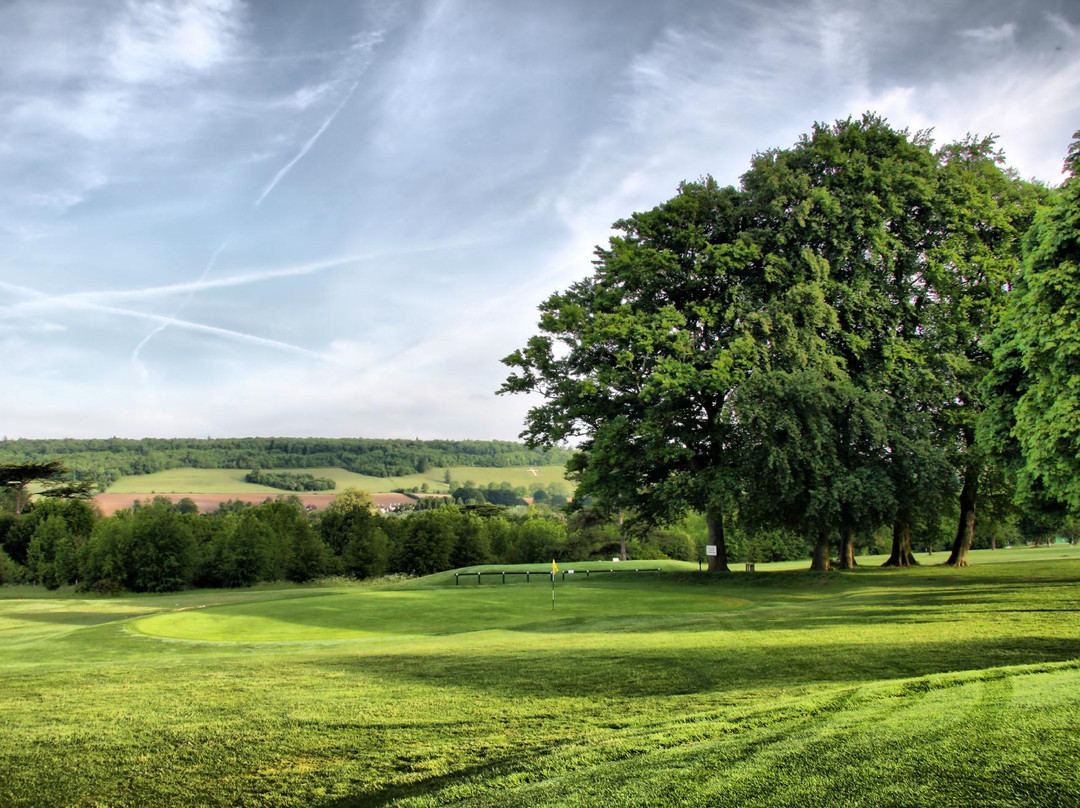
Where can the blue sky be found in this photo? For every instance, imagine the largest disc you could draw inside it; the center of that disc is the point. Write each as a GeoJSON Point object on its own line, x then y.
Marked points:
{"type": "Point", "coordinates": [334, 218]}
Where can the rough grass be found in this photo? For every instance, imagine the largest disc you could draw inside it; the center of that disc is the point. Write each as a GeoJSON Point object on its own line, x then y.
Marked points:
{"type": "Point", "coordinates": [231, 481]}
{"type": "Point", "coordinates": [924, 687]}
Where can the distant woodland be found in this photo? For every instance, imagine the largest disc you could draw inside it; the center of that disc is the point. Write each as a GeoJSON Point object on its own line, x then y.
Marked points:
{"type": "Point", "coordinates": [104, 461]}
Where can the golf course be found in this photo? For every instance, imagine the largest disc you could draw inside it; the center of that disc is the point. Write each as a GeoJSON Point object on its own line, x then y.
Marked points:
{"type": "Point", "coordinates": [930, 686]}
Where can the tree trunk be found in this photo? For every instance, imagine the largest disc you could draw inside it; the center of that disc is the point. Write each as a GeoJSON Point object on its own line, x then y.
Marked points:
{"type": "Point", "coordinates": [847, 547]}
{"type": "Point", "coordinates": [902, 555]}
{"type": "Point", "coordinates": [714, 520]}
{"type": "Point", "coordinates": [622, 538]}
{"type": "Point", "coordinates": [821, 561]}
{"type": "Point", "coordinates": [965, 531]}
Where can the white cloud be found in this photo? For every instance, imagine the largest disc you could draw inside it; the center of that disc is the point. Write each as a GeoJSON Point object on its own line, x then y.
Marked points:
{"type": "Point", "coordinates": [135, 136]}
{"type": "Point", "coordinates": [1063, 26]}
{"type": "Point", "coordinates": [1031, 105]}
{"type": "Point", "coordinates": [95, 115]}
{"type": "Point", "coordinates": [992, 33]}
{"type": "Point", "coordinates": [309, 95]}
{"type": "Point", "coordinates": [160, 41]}
{"type": "Point", "coordinates": [55, 200]}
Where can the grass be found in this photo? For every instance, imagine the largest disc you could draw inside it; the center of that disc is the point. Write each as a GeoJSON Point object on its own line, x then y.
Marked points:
{"type": "Point", "coordinates": [231, 481]}
{"type": "Point", "coordinates": [923, 687]}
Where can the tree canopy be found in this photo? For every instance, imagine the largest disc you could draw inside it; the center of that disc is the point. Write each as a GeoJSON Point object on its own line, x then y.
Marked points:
{"type": "Point", "coordinates": [51, 475]}
{"type": "Point", "coordinates": [1037, 353]}
{"type": "Point", "coordinates": [804, 351]}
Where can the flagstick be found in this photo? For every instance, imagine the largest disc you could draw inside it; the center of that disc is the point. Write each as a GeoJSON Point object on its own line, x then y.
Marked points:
{"type": "Point", "coordinates": [553, 591]}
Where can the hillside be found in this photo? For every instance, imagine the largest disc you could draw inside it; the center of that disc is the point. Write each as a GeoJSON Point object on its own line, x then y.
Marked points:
{"type": "Point", "coordinates": [106, 461]}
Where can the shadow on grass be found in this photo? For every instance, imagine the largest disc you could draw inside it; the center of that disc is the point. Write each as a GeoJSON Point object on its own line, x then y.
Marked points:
{"type": "Point", "coordinates": [482, 772]}
{"type": "Point", "coordinates": [693, 607]}
{"type": "Point", "coordinates": [69, 618]}
{"type": "Point", "coordinates": [606, 674]}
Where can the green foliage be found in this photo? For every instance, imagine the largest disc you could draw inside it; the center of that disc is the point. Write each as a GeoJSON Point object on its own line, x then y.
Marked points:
{"type": "Point", "coordinates": [804, 351]}
{"type": "Point", "coordinates": [238, 555]}
{"type": "Point", "coordinates": [160, 556]}
{"type": "Point", "coordinates": [640, 360]}
{"type": "Point", "coordinates": [430, 537]}
{"type": "Point", "coordinates": [11, 572]}
{"type": "Point", "coordinates": [17, 476]}
{"type": "Point", "coordinates": [290, 482]}
{"type": "Point", "coordinates": [351, 529]}
{"type": "Point", "coordinates": [1039, 350]}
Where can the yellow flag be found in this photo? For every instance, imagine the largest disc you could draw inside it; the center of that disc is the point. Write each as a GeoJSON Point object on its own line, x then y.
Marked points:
{"type": "Point", "coordinates": [554, 566]}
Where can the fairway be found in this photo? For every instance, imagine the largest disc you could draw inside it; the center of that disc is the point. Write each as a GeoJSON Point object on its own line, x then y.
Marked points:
{"type": "Point", "coordinates": [922, 687]}
{"type": "Point", "coordinates": [231, 481]}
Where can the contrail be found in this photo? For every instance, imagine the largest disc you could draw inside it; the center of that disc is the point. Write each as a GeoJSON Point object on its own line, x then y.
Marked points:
{"type": "Point", "coordinates": [161, 319]}
{"type": "Point", "coordinates": [306, 147]}
{"type": "Point", "coordinates": [88, 301]}
{"type": "Point", "coordinates": [209, 329]}
{"type": "Point", "coordinates": [162, 326]}
{"type": "Point", "coordinates": [42, 301]}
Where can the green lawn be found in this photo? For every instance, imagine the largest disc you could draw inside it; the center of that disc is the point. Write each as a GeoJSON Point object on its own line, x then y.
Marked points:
{"type": "Point", "coordinates": [231, 481]}
{"type": "Point", "coordinates": [923, 687]}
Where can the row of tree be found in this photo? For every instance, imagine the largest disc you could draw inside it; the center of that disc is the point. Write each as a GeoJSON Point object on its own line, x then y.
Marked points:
{"type": "Point", "coordinates": [105, 461]}
{"type": "Point", "coordinates": [289, 481]}
{"type": "Point", "coordinates": [869, 331]}
{"type": "Point", "coordinates": [161, 546]}
{"type": "Point", "coordinates": [555, 494]}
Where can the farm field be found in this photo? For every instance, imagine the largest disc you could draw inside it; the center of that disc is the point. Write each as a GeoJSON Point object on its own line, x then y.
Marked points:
{"type": "Point", "coordinates": [231, 481]}
{"type": "Point", "coordinates": [922, 687]}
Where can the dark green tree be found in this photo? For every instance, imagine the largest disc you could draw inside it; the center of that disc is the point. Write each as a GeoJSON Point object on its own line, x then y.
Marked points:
{"type": "Point", "coordinates": [983, 211]}
{"type": "Point", "coordinates": [1034, 388]}
{"type": "Point", "coordinates": [472, 545]}
{"type": "Point", "coordinates": [51, 556]}
{"type": "Point", "coordinates": [161, 553]}
{"type": "Point", "coordinates": [239, 552]}
{"type": "Point", "coordinates": [17, 477]}
{"type": "Point", "coordinates": [429, 540]}
{"type": "Point", "coordinates": [353, 530]}
{"type": "Point", "coordinates": [639, 362]}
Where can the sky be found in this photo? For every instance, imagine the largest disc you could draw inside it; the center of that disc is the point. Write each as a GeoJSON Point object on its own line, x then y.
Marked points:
{"type": "Point", "coordinates": [334, 218]}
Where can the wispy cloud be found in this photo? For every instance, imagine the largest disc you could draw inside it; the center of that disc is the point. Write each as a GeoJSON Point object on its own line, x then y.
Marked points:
{"type": "Point", "coordinates": [358, 60]}
{"type": "Point", "coordinates": [1063, 25]}
{"type": "Point", "coordinates": [991, 33]}
{"type": "Point", "coordinates": [76, 303]}
{"type": "Point", "coordinates": [159, 41]}
{"type": "Point", "coordinates": [135, 354]}
{"type": "Point", "coordinates": [42, 302]}
{"type": "Point", "coordinates": [396, 204]}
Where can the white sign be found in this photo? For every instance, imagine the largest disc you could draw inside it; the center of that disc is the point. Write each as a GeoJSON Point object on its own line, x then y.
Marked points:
{"type": "Point", "coordinates": [710, 549]}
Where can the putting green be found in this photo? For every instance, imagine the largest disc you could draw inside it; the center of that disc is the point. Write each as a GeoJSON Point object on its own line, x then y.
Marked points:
{"type": "Point", "coordinates": [350, 615]}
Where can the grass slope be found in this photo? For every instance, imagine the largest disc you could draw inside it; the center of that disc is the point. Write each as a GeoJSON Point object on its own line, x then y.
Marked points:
{"type": "Point", "coordinates": [924, 687]}
{"type": "Point", "coordinates": [231, 481]}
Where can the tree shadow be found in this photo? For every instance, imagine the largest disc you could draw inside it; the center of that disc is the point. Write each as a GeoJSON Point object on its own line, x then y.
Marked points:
{"type": "Point", "coordinates": [605, 674]}
{"type": "Point", "coordinates": [68, 618]}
